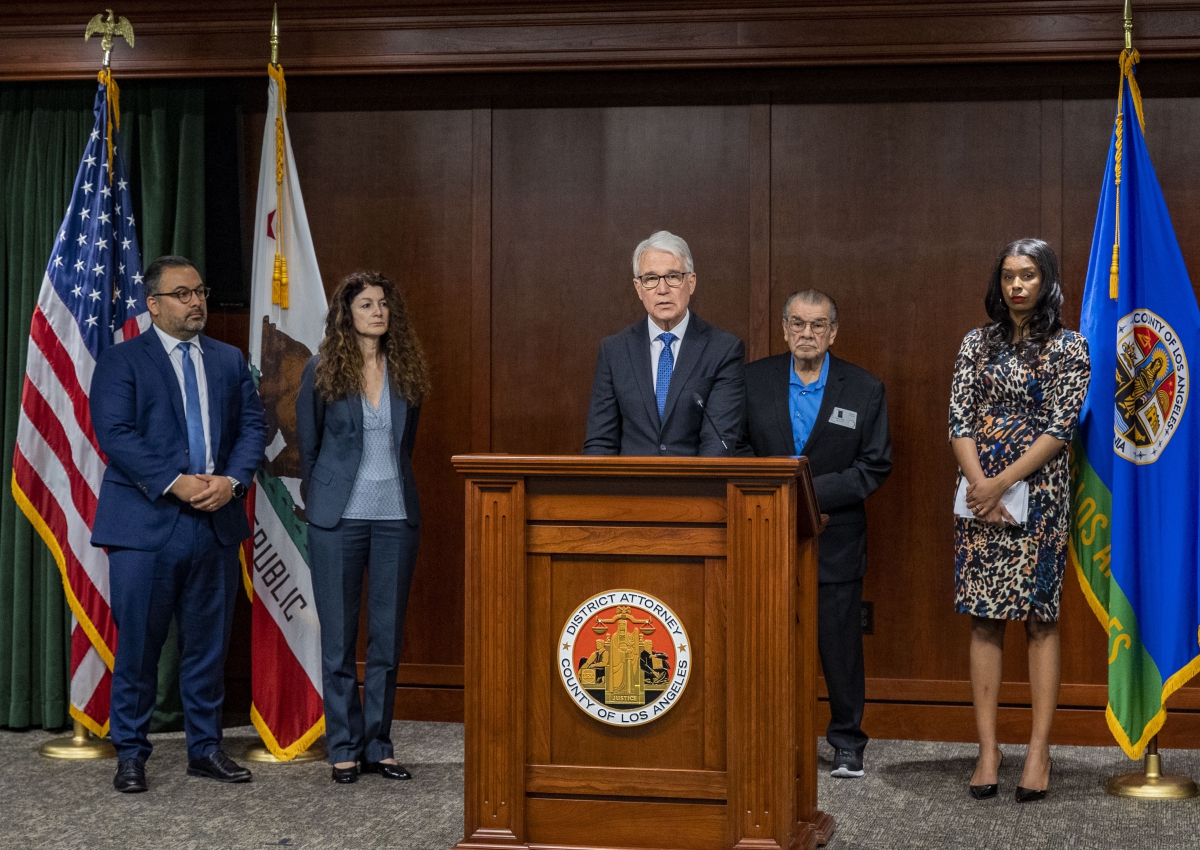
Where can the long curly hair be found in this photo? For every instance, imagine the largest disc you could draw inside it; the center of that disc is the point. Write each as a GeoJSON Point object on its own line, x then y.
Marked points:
{"type": "Point", "coordinates": [340, 370]}
{"type": "Point", "coordinates": [1046, 320]}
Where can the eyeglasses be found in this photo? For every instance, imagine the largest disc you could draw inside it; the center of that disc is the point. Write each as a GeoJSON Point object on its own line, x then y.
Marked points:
{"type": "Point", "coordinates": [673, 279]}
{"type": "Point", "coordinates": [819, 326]}
{"type": "Point", "coordinates": [186, 295]}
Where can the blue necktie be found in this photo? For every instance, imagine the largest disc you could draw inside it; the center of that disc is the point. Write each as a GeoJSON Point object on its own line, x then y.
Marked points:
{"type": "Point", "coordinates": [666, 365]}
{"type": "Point", "coordinates": [197, 452]}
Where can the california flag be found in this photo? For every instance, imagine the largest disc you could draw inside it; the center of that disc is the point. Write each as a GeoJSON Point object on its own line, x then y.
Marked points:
{"type": "Point", "coordinates": [287, 316]}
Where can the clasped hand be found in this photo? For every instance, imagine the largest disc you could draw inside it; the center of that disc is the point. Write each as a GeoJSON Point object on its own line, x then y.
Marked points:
{"type": "Point", "coordinates": [203, 492]}
{"type": "Point", "coordinates": [983, 500]}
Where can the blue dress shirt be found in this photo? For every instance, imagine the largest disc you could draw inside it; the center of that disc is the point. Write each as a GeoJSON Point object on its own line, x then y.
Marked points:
{"type": "Point", "coordinates": [804, 402]}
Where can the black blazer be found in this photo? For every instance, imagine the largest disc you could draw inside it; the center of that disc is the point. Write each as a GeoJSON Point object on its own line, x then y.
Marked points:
{"type": "Point", "coordinates": [847, 464]}
{"type": "Point", "coordinates": [331, 445]}
{"type": "Point", "coordinates": [623, 416]}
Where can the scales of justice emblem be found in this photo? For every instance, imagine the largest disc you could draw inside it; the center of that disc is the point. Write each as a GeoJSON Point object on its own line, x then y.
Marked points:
{"type": "Point", "coordinates": [1152, 386]}
{"type": "Point", "coordinates": [624, 657]}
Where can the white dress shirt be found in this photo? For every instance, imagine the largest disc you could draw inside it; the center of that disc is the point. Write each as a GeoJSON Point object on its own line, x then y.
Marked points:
{"type": "Point", "coordinates": [175, 355]}
{"type": "Point", "coordinates": [656, 345]}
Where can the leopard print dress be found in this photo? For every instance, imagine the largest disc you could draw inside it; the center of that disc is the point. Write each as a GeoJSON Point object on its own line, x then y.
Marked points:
{"type": "Point", "coordinates": [1004, 404]}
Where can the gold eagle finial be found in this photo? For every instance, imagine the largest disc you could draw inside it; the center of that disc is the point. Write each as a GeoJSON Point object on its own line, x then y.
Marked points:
{"type": "Point", "coordinates": [107, 29]}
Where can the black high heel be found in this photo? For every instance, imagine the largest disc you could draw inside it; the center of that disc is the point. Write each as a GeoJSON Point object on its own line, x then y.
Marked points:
{"type": "Point", "coordinates": [1029, 795]}
{"type": "Point", "coordinates": [986, 792]}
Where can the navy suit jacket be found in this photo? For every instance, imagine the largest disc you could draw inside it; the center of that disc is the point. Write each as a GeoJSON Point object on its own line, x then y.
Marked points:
{"type": "Point", "coordinates": [137, 413]}
{"type": "Point", "coordinates": [623, 416]}
{"type": "Point", "coordinates": [331, 446]}
{"type": "Point", "coordinates": [847, 464]}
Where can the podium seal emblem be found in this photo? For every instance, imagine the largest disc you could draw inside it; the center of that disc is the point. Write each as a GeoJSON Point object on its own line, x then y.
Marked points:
{"type": "Point", "coordinates": [624, 657]}
{"type": "Point", "coordinates": [1152, 386]}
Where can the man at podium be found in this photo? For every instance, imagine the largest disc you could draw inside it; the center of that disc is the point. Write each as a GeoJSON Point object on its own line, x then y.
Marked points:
{"type": "Point", "coordinates": [808, 402]}
{"type": "Point", "coordinates": [649, 376]}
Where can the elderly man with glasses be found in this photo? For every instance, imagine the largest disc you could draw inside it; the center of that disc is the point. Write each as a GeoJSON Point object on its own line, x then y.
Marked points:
{"type": "Point", "coordinates": [808, 402]}
{"type": "Point", "coordinates": [671, 384]}
{"type": "Point", "coordinates": [180, 421]}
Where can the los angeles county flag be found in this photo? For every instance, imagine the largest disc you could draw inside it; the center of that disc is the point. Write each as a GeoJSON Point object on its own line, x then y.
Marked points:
{"type": "Point", "coordinates": [1136, 497]}
{"type": "Point", "coordinates": [287, 320]}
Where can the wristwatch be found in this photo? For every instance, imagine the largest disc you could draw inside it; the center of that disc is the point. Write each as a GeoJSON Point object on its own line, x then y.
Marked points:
{"type": "Point", "coordinates": [239, 489]}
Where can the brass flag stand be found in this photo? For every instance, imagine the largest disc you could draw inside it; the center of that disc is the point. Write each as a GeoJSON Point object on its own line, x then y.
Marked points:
{"type": "Point", "coordinates": [260, 752]}
{"type": "Point", "coordinates": [1152, 784]}
{"type": "Point", "coordinates": [81, 745]}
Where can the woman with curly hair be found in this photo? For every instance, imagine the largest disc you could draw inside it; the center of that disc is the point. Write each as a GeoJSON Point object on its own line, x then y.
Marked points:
{"type": "Point", "coordinates": [356, 415]}
{"type": "Point", "coordinates": [1019, 384]}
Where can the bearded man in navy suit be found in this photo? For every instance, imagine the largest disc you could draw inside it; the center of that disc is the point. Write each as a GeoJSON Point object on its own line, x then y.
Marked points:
{"type": "Point", "coordinates": [648, 374]}
{"type": "Point", "coordinates": [179, 418]}
{"type": "Point", "coordinates": [808, 402]}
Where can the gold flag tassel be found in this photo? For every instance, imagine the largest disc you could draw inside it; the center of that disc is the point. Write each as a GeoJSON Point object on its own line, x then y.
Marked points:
{"type": "Point", "coordinates": [113, 99]}
{"type": "Point", "coordinates": [279, 278]}
{"type": "Point", "coordinates": [1129, 58]}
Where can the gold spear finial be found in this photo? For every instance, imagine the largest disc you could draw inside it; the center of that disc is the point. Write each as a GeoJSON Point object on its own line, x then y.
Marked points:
{"type": "Point", "coordinates": [275, 34]}
{"type": "Point", "coordinates": [107, 29]}
{"type": "Point", "coordinates": [1128, 25]}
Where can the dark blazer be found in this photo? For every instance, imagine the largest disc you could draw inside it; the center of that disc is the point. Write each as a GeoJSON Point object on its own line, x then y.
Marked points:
{"type": "Point", "coordinates": [331, 445]}
{"type": "Point", "coordinates": [623, 416]}
{"type": "Point", "coordinates": [137, 413]}
{"type": "Point", "coordinates": [847, 464]}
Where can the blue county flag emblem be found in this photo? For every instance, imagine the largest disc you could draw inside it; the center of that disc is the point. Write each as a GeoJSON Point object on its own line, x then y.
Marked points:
{"type": "Point", "coordinates": [1135, 492]}
{"type": "Point", "coordinates": [624, 657]}
{"type": "Point", "coordinates": [1152, 386]}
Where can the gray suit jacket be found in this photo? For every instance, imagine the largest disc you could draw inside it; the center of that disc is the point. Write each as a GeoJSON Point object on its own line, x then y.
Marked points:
{"type": "Point", "coordinates": [331, 446]}
{"type": "Point", "coordinates": [623, 416]}
{"type": "Point", "coordinates": [847, 464]}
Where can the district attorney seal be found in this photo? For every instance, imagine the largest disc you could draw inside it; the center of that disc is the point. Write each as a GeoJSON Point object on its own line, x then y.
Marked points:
{"type": "Point", "coordinates": [624, 657]}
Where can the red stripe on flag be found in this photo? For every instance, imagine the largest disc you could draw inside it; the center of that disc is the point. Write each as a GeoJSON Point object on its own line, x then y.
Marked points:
{"type": "Point", "coordinates": [130, 329]}
{"type": "Point", "coordinates": [97, 707]}
{"type": "Point", "coordinates": [282, 693]}
{"type": "Point", "coordinates": [94, 606]}
{"type": "Point", "coordinates": [80, 644]}
{"type": "Point", "coordinates": [60, 361]}
{"type": "Point", "coordinates": [51, 430]}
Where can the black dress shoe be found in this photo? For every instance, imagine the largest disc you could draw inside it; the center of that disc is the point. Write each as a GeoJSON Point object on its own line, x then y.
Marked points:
{"type": "Point", "coordinates": [986, 792]}
{"type": "Point", "coordinates": [387, 771]}
{"type": "Point", "coordinates": [216, 765]}
{"type": "Point", "coordinates": [1030, 795]}
{"type": "Point", "coordinates": [345, 775]}
{"type": "Point", "coordinates": [131, 776]}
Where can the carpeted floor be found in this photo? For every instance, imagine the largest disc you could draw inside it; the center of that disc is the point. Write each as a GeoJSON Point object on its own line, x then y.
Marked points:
{"type": "Point", "coordinates": [913, 796]}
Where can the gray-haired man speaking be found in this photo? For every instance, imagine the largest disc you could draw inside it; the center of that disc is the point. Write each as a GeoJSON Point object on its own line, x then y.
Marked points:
{"type": "Point", "coordinates": [648, 376]}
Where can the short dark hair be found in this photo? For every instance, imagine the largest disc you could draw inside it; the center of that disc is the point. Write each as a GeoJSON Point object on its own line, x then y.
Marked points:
{"type": "Point", "coordinates": [154, 271]}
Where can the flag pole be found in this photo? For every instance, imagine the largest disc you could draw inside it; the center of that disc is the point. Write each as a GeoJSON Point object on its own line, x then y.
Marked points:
{"type": "Point", "coordinates": [260, 752]}
{"type": "Point", "coordinates": [81, 744]}
{"type": "Point", "coordinates": [1149, 783]}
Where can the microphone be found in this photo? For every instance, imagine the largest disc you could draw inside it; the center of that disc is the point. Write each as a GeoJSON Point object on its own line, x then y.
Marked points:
{"type": "Point", "coordinates": [704, 409]}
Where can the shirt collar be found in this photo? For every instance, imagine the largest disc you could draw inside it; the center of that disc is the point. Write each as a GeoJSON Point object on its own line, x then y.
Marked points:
{"type": "Point", "coordinates": [815, 386]}
{"type": "Point", "coordinates": [679, 330]}
{"type": "Point", "coordinates": [169, 342]}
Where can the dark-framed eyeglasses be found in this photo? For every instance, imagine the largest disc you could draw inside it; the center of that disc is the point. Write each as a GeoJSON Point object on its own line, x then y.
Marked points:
{"type": "Point", "coordinates": [673, 279]}
{"type": "Point", "coordinates": [185, 295]}
{"type": "Point", "coordinates": [819, 326]}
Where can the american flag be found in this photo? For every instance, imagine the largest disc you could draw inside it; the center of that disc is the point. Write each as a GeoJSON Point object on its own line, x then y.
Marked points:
{"type": "Point", "coordinates": [91, 298]}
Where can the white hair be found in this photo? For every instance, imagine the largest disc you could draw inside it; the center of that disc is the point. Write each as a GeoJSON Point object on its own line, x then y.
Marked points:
{"type": "Point", "coordinates": [663, 240]}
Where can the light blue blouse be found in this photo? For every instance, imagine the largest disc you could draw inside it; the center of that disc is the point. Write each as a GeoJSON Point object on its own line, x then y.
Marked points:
{"type": "Point", "coordinates": [377, 493]}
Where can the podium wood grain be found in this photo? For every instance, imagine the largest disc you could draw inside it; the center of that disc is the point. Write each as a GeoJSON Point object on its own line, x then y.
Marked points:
{"type": "Point", "coordinates": [728, 545]}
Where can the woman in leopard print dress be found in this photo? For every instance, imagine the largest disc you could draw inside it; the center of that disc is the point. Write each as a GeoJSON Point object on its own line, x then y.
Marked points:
{"type": "Point", "coordinates": [1019, 383]}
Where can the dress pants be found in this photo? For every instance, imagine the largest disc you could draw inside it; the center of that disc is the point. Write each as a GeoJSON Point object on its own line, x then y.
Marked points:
{"type": "Point", "coordinates": [386, 550]}
{"type": "Point", "coordinates": [839, 641]}
{"type": "Point", "coordinates": [195, 579]}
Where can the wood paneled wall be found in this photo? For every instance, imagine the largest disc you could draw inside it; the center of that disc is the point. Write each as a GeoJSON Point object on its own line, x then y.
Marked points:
{"type": "Point", "coordinates": [509, 213]}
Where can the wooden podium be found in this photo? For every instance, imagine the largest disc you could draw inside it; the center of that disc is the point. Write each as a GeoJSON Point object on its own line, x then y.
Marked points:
{"type": "Point", "coordinates": [720, 549]}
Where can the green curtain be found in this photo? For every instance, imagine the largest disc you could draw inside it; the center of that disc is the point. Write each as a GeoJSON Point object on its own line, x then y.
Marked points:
{"type": "Point", "coordinates": [43, 130]}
